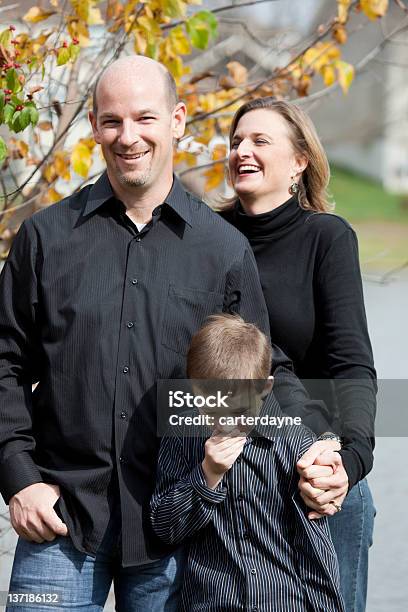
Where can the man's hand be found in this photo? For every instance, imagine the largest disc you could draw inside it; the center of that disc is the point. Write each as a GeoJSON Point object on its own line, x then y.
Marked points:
{"type": "Point", "coordinates": [323, 482]}
{"type": "Point", "coordinates": [32, 513]}
{"type": "Point", "coordinates": [221, 453]}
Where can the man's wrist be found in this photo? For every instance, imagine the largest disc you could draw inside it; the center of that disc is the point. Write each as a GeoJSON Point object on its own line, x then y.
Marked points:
{"type": "Point", "coordinates": [330, 435]}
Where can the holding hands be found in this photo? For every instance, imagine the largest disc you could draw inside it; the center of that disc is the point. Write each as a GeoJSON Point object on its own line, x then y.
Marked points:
{"type": "Point", "coordinates": [323, 483]}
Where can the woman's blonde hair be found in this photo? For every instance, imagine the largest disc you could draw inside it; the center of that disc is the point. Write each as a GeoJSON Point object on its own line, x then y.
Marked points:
{"type": "Point", "coordinates": [305, 141]}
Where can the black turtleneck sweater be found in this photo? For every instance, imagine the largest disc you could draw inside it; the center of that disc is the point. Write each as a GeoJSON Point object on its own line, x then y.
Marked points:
{"type": "Point", "coordinates": [310, 275]}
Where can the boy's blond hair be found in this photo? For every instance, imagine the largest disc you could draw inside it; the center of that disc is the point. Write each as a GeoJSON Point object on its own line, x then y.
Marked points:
{"type": "Point", "coordinates": [227, 347]}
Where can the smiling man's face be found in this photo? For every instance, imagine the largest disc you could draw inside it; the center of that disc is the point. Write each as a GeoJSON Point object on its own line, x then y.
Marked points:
{"type": "Point", "coordinates": [136, 126]}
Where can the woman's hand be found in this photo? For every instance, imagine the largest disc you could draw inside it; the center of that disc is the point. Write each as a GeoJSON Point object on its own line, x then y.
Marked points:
{"type": "Point", "coordinates": [323, 479]}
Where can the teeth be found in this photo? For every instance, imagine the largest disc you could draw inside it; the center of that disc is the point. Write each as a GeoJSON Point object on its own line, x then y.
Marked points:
{"type": "Point", "coordinates": [136, 156]}
{"type": "Point", "coordinates": [248, 168]}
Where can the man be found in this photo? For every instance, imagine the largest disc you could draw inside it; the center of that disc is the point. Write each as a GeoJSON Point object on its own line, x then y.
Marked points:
{"type": "Point", "coordinates": [100, 297]}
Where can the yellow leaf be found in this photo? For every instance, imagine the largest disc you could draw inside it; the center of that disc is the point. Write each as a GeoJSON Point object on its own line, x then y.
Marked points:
{"type": "Point", "coordinates": [46, 126]}
{"type": "Point", "coordinates": [36, 14]}
{"type": "Point", "coordinates": [374, 8]}
{"type": "Point", "coordinates": [303, 85]}
{"type": "Point", "coordinates": [215, 176]}
{"type": "Point", "coordinates": [219, 152]}
{"type": "Point", "coordinates": [238, 72]}
{"type": "Point", "coordinates": [81, 159]}
{"type": "Point", "coordinates": [49, 173]}
{"type": "Point", "coordinates": [61, 164]}
{"type": "Point", "coordinates": [95, 17]}
{"type": "Point", "coordinates": [343, 10]}
{"type": "Point", "coordinates": [52, 196]}
{"type": "Point", "coordinates": [180, 42]}
{"type": "Point", "coordinates": [329, 75]}
{"type": "Point", "coordinates": [22, 147]}
{"type": "Point", "coordinates": [340, 34]}
{"type": "Point", "coordinates": [150, 25]}
{"type": "Point", "coordinates": [140, 42]}
{"type": "Point", "coordinates": [345, 74]}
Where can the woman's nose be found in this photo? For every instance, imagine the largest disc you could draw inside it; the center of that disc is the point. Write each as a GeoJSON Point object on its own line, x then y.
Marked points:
{"type": "Point", "coordinates": [244, 148]}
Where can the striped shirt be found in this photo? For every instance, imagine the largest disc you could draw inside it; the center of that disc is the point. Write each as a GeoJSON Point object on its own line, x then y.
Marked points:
{"type": "Point", "coordinates": [254, 548]}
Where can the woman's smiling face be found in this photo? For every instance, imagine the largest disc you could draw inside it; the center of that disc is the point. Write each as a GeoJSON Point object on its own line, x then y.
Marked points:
{"type": "Point", "coordinates": [262, 160]}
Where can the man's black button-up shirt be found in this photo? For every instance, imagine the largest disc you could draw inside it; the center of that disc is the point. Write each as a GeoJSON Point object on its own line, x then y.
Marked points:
{"type": "Point", "coordinates": [96, 312]}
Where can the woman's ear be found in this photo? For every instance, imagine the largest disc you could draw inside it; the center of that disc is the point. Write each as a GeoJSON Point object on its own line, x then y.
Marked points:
{"type": "Point", "coordinates": [300, 165]}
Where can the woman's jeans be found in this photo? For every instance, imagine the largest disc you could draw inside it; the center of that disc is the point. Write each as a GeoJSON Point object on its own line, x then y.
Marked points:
{"type": "Point", "coordinates": [352, 532]}
{"type": "Point", "coordinates": [82, 582]}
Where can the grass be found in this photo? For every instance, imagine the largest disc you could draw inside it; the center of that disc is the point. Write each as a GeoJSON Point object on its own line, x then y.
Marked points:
{"type": "Point", "coordinates": [378, 217]}
{"type": "Point", "coordinates": [360, 199]}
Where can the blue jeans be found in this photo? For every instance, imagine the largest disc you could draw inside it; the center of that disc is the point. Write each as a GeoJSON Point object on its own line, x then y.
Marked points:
{"type": "Point", "coordinates": [352, 535]}
{"type": "Point", "coordinates": [82, 582]}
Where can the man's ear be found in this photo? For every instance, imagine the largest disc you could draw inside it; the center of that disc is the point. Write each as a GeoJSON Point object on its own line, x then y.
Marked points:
{"type": "Point", "coordinates": [179, 119]}
{"type": "Point", "coordinates": [268, 387]}
{"type": "Point", "coordinates": [94, 124]}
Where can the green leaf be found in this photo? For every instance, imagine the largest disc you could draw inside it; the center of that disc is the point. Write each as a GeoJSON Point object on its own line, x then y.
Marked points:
{"type": "Point", "coordinates": [25, 118]}
{"type": "Point", "coordinates": [16, 100]}
{"type": "Point", "coordinates": [201, 27]}
{"type": "Point", "coordinates": [12, 80]}
{"type": "Point", "coordinates": [5, 38]}
{"type": "Point", "coordinates": [2, 100]}
{"type": "Point", "coordinates": [8, 113]}
{"type": "Point", "coordinates": [74, 51]}
{"type": "Point", "coordinates": [3, 150]}
{"type": "Point", "coordinates": [174, 8]}
{"type": "Point", "coordinates": [34, 115]}
{"type": "Point", "coordinates": [15, 123]}
{"type": "Point", "coordinates": [208, 18]}
{"type": "Point", "coordinates": [63, 56]}
{"type": "Point", "coordinates": [198, 34]}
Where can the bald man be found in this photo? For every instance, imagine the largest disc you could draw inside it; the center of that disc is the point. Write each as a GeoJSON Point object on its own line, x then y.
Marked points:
{"type": "Point", "coordinates": [99, 299]}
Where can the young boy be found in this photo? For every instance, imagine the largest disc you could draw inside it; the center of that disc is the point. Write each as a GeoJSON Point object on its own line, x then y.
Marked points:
{"type": "Point", "coordinates": [235, 498]}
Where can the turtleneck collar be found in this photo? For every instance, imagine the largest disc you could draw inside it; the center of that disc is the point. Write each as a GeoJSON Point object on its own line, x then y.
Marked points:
{"type": "Point", "coordinates": [269, 224]}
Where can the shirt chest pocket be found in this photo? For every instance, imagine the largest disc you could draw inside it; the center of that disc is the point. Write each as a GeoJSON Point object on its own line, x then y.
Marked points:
{"type": "Point", "coordinates": [186, 311]}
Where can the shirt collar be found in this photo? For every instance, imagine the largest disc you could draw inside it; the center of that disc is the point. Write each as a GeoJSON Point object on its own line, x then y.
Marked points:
{"type": "Point", "coordinates": [270, 408]}
{"type": "Point", "coordinates": [102, 191]}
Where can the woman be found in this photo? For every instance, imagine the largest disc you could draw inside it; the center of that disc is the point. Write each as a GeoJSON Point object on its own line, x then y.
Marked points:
{"type": "Point", "coordinates": [309, 270]}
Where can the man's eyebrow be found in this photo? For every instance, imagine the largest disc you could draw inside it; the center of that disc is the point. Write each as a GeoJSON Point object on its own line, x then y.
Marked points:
{"type": "Point", "coordinates": [139, 113]}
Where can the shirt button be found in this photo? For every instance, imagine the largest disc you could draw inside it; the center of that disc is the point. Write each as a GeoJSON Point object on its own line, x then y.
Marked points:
{"type": "Point", "coordinates": [253, 571]}
{"type": "Point", "coordinates": [240, 497]}
{"type": "Point", "coordinates": [138, 239]}
{"type": "Point", "coordinates": [245, 535]}
{"type": "Point", "coordinates": [129, 324]}
{"type": "Point", "coordinates": [121, 460]}
{"type": "Point", "coordinates": [254, 609]}
{"type": "Point", "coordinates": [123, 415]}
{"type": "Point", "coordinates": [125, 370]}
{"type": "Point", "coordinates": [238, 460]}
{"type": "Point", "coordinates": [134, 281]}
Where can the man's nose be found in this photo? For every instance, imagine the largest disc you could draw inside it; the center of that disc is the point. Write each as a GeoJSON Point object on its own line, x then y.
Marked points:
{"type": "Point", "coordinates": [129, 133]}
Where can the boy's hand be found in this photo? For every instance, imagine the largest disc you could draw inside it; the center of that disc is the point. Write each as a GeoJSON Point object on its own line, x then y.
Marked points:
{"type": "Point", "coordinates": [221, 453]}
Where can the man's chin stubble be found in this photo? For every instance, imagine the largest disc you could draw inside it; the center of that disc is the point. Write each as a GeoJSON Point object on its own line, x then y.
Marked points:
{"type": "Point", "coordinates": [129, 181]}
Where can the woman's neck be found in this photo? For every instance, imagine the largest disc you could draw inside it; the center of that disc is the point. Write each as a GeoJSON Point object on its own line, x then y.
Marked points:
{"type": "Point", "coordinates": [262, 204]}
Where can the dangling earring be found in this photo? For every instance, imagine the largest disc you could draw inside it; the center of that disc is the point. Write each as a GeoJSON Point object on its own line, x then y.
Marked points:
{"type": "Point", "coordinates": [294, 187]}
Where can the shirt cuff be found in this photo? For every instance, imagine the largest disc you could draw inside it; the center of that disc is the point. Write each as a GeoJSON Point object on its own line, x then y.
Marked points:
{"type": "Point", "coordinates": [352, 465]}
{"type": "Point", "coordinates": [16, 473]}
{"type": "Point", "coordinates": [199, 484]}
